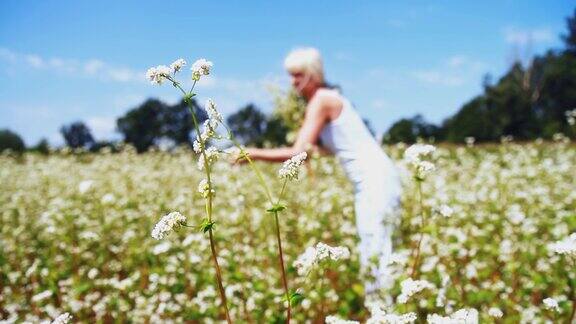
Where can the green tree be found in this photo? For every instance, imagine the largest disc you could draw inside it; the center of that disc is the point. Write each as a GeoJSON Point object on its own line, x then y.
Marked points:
{"type": "Point", "coordinates": [11, 141]}
{"type": "Point", "coordinates": [408, 130]}
{"type": "Point", "coordinates": [42, 147]}
{"type": "Point", "coordinates": [77, 135]}
{"type": "Point", "coordinates": [154, 120]}
{"type": "Point", "coordinates": [248, 125]}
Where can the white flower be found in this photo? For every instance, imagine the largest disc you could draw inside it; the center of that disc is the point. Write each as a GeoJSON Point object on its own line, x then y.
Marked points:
{"type": "Point", "coordinates": [84, 186]}
{"type": "Point", "coordinates": [445, 210]}
{"type": "Point", "coordinates": [204, 189]}
{"type": "Point", "coordinates": [566, 246]}
{"type": "Point", "coordinates": [211, 155]}
{"type": "Point", "coordinates": [551, 304]}
{"type": "Point", "coordinates": [157, 75]}
{"type": "Point", "coordinates": [423, 168]}
{"type": "Point", "coordinates": [197, 146]}
{"type": "Point", "coordinates": [62, 319]}
{"type": "Point", "coordinates": [495, 312]}
{"type": "Point", "coordinates": [379, 316]}
{"type": "Point", "coordinates": [208, 129]}
{"type": "Point", "coordinates": [108, 198]}
{"type": "Point", "coordinates": [470, 140]}
{"type": "Point", "coordinates": [161, 248]}
{"type": "Point", "coordinates": [167, 224]}
{"type": "Point", "coordinates": [291, 166]}
{"type": "Point", "coordinates": [212, 112]}
{"type": "Point", "coordinates": [571, 117]}
{"type": "Point", "coordinates": [463, 316]}
{"type": "Point", "coordinates": [414, 156]}
{"type": "Point", "coordinates": [337, 320]}
{"type": "Point", "coordinates": [410, 287]}
{"type": "Point", "coordinates": [415, 152]}
{"type": "Point", "coordinates": [41, 296]}
{"type": "Point", "coordinates": [177, 65]}
{"type": "Point", "coordinates": [314, 255]}
{"type": "Point", "coordinates": [201, 67]}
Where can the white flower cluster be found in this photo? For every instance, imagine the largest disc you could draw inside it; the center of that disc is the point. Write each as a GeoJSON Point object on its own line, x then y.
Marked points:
{"type": "Point", "coordinates": [62, 319]}
{"type": "Point", "coordinates": [337, 320]}
{"type": "Point", "coordinates": [444, 210]}
{"type": "Point", "coordinates": [410, 287]}
{"type": "Point", "coordinates": [414, 156]}
{"type": "Point", "coordinates": [166, 224]}
{"type": "Point", "coordinates": [85, 186]}
{"type": "Point", "coordinates": [213, 113]}
{"type": "Point", "coordinates": [204, 189]}
{"type": "Point", "coordinates": [495, 312]}
{"type": "Point", "coordinates": [551, 304]}
{"type": "Point", "coordinates": [470, 141]}
{"type": "Point", "coordinates": [211, 156]}
{"type": "Point", "coordinates": [158, 74]}
{"type": "Point", "coordinates": [177, 65]}
{"type": "Point", "coordinates": [571, 117]}
{"type": "Point", "coordinates": [379, 316]}
{"type": "Point", "coordinates": [209, 129]}
{"type": "Point", "coordinates": [291, 166]}
{"type": "Point", "coordinates": [201, 67]}
{"type": "Point", "coordinates": [316, 254]}
{"type": "Point", "coordinates": [415, 152]}
{"type": "Point", "coordinates": [566, 246]}
{"type": "Point", "coordinates": [463, 316]}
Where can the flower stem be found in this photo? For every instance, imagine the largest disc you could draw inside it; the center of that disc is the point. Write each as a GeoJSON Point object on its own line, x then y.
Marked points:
{"type": "Point", "coordinates": [281, 260]}
{"type": "Point", "coordinates": [417, 251]}
{"type": "Point", "coordinates": [219, 276]}
{"type": "Point", "coordinates": [277, 222]}
{"type": "Point", "coordinates": [187, 96]}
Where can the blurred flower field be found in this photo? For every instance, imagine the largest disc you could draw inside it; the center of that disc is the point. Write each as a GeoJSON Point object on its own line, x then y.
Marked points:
{"type": "Point", "coordinates": [494, 230]}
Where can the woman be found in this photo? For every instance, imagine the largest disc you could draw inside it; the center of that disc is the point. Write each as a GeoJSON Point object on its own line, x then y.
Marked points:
{"type": "Point", "coordinates": [331, 118]}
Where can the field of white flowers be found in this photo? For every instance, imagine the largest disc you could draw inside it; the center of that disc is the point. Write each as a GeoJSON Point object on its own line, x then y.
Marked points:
{"type": "Point", "coordinates": [493, 226]}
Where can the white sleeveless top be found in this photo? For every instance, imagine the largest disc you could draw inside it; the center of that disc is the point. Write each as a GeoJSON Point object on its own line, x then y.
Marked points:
{"type": "Point", "coordinates": [361, 157]}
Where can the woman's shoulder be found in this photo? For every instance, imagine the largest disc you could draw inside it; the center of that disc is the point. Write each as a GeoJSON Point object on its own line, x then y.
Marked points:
{"type": "Point", "coordinates": [328, 98]}
{"type": "Point", "coordinates": [329, 102]}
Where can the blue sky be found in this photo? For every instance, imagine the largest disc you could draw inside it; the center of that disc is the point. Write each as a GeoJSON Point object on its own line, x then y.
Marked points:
{"type": "Point", "coordinates": [62, 61]}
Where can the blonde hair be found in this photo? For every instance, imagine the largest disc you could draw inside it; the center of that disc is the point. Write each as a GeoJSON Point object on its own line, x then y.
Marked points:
{"type": "Point", "coordinates": [307, 60]}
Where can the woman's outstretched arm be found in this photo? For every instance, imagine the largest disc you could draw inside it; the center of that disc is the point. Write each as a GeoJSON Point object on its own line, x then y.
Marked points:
{"type": "Point", "coordinates": [314, 120]}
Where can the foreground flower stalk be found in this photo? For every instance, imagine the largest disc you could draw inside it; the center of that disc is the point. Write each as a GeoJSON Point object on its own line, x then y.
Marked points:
{"type": "Point", "coordinates": [414, 156]}
{"type": "Point", "coordinates": [289, 171]}
{"type": "Point", "coordinates": [200, 67]}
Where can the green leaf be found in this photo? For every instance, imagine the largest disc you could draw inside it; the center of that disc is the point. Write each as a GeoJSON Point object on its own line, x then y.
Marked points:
{"type": "Point", "coordinates": [296, 298]}
{"type": "Point", "coordinates": [276, 208]}
{"type": "Point", "coordinates": [206, 225]}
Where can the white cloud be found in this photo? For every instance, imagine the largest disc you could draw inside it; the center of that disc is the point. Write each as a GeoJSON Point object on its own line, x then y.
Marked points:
{"type": "Point", "coordinates": [35, 61]}
{"type": "Point", "coordinates": [525, 37]}
{"type": "Point", "coordinates": [90, 68]}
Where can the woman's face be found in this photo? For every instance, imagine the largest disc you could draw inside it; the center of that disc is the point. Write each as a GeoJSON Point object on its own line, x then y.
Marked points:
{"type": "Point", "coordinates": [304, 84]}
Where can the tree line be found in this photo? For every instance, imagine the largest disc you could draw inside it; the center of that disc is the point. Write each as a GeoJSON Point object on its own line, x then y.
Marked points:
{"type": "Point", "coordinates": [527, 102]}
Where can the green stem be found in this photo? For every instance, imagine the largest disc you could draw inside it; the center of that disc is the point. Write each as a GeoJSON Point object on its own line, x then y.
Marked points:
{"type": "Point", "coordinates": [252, 164]}
{"type": "Point", "coordinates": [417, 257]}
{"type": "Point", "coordinates": [277, 223]}
{"type": "Point", "coordinates": [281, 260]}
{"type": "Point", "coordinates": [209, 199]}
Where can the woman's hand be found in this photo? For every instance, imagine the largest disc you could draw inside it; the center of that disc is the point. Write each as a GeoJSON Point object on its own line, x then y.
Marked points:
{"type": "Point", "coordinates": [236, 157]}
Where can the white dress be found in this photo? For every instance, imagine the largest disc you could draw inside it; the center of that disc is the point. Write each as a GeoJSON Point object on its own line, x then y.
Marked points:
{"type": "Point", "coordinates": [377, 187]}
